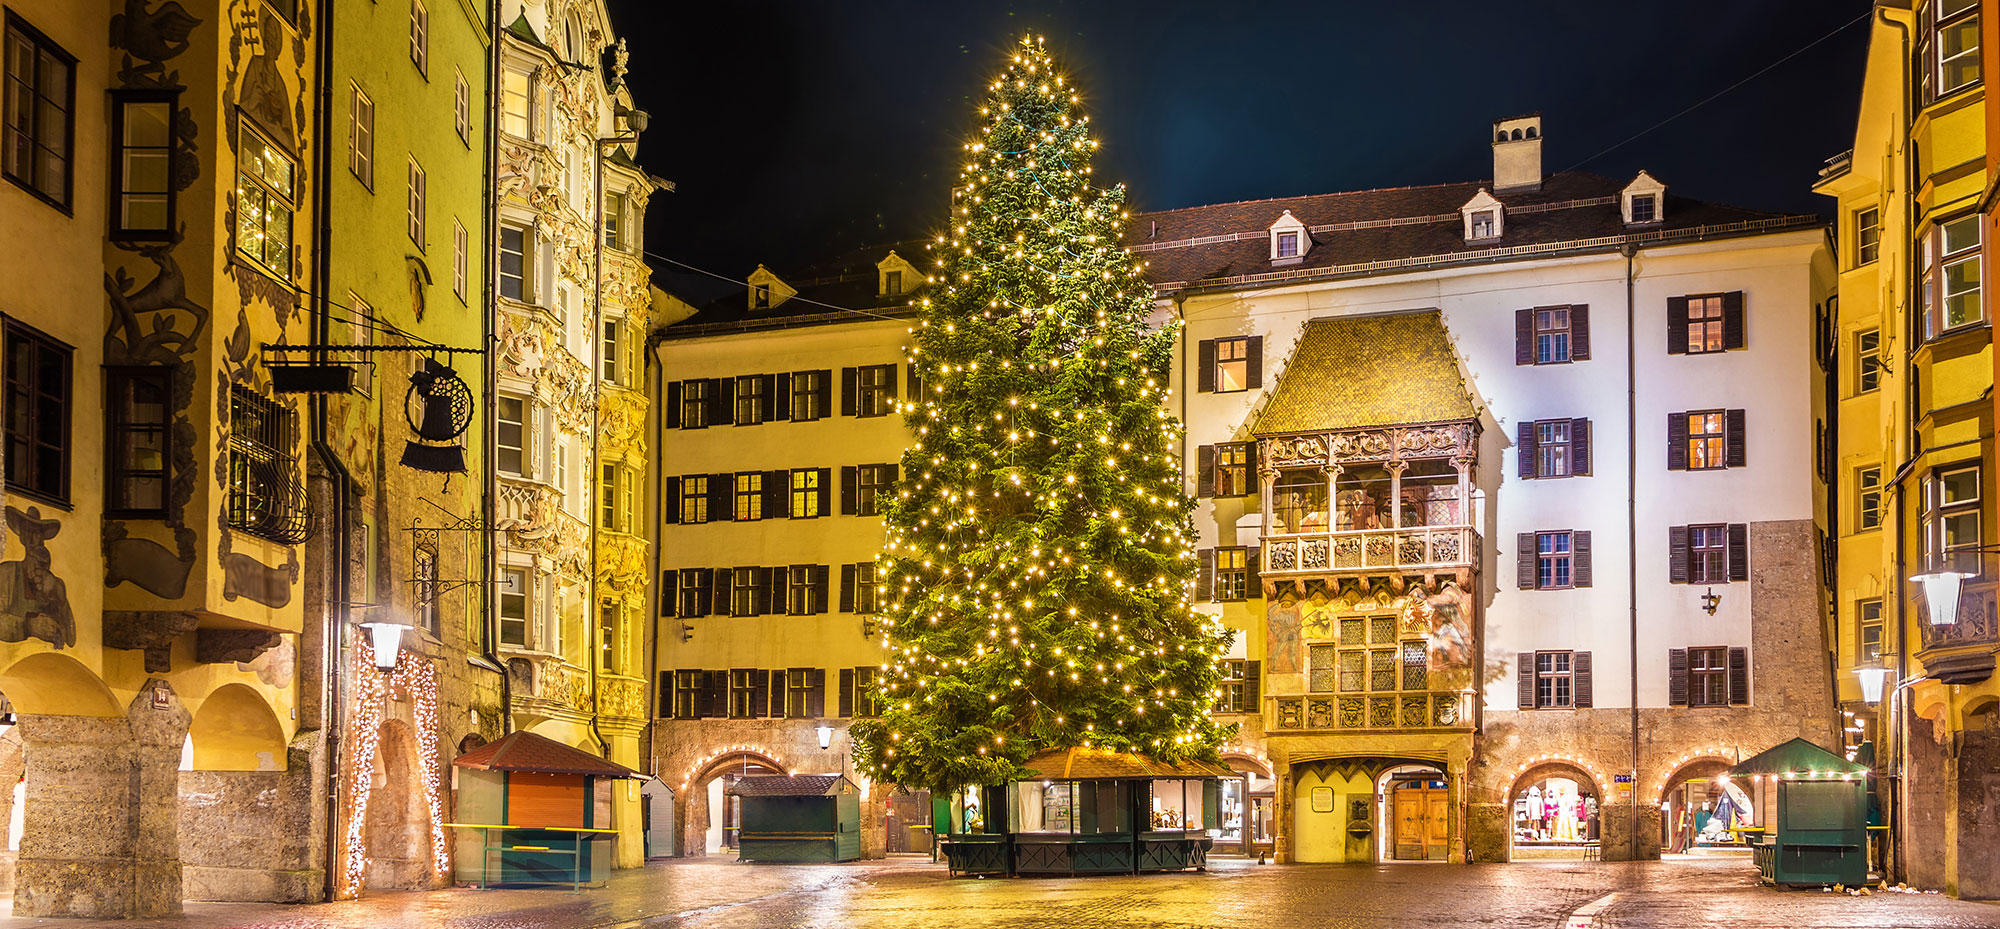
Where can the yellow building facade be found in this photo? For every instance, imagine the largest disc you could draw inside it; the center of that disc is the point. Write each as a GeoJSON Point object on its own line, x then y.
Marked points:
{"type": "Point", "coordinates": [1912, 449]}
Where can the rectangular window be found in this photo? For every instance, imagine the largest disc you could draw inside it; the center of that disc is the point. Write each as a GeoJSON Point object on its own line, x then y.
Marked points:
{"type": "Point", "coordinates": [1707, 444]}
{"type": "Point", "coordinates": [1704, 324]}
{"type": "Point", "coordinates": [607, 637]}
{"type": "Point", "coordinates": [415, 207]}
{"type": "Point", "coordinates": [1482, 225]}
{"type": "Point", "coordinates": [514, 264]}
{"type": "Point", "coordinates": [745, 589]}
{"type": "Point", "coordinates": [1321, 668]}
{"type": "Point", "coordinates": [458, 247]}
{"type": "Point", "coordinates": [697, 586]}
{"type": "Point", "coordinates": [420, 37]}
{"type": "Point", "coordinates": [1232, 470]}
{"type": "Point", "coordinates": [614, 501]}
{"type": "Point", "coordinates": [877, 390]}
{"type": "Point", "coordinates": [1868, 498]}
{"type": "Point", "coordinates": [1949, 256]}
{"type": "Point", "coordinates": [866, 703]}
{"type": "Point", "coordinates": [808, 486]}
{"type": "Point", "coordinates": [1288, 245]}
{"type": "Point", "coordinates": [512, 435]}
{"type": "Point", "coordinates": [140, 423]}
{"type": "Point", "coordinates": [361, 327]}
{"type": "Point", "coordinates": [753, 398]}
{"type": "Point", "coordinates": [1552, 448]}
{"type": "Point", "coordinates": [694, 499]}
{"type": "Point", "coordinates": [1232, 572]}
{"type": "Point", "coordinates": [864, 587]}
{"type": "Point", "coordinates": [810, 394]}
{"type": "Point", "coordinates": [1708, 554]}
{"type": "Point", "coordinates": [892, 283]}
{"type": "Point", "coordinates": [514, 607]}
{"type": "Point", "coordinates": [361, 136]}
{"type": "Point", "coordinates": [610, 350]}
{"type": "Point", "coordinates": [688, 686]}
{"type": "Point", "coordinates": [1232, 365]}
{"type": "Point", "coordinates": [1553, 681]}
{"type": "Point", "coordinates": [1235, 694]}
{"type": "Point", "coordinates": [742, 689]}
{"type": "Point", "coordinates": [760, 297]}
{"type": "Point", "coordinates": [1948, 48]}
{"type": "Point", "coordinates": [749, 495]}
{"type": "Point", "coordinates": [1552, 335]}
{"type": "Point", "coordinates": [143, 158]}
{"type": "Point", "coordinates": [1868, 645]}
{"type": "Point", "coordinates": [1553, 560]}
{"type": "Point", "coordinates": [264, 498]}
{"type": "Point", "coordinates": [695, 403]}
{"type": "Point", "coordinates": [1644, 208]}
{"type": "Point", "coordinates": [265, 199]}
{"type": "Point", "coordinates": [799, 590]}
{"type": "Point", "coordinates": [40, 108]}
{"type": "Point", "coordinates": [461, 107]}
{"type": "Point", "coordinates": [614, 221]}
{"type": "Point", "coordinates": [516, 113]}
{"type": "Point", "coordinates": [1708, 677]}
{"type": "Point", "coordinates": [1952, 530]}
{"type": "Point", "coordinates": [1867, 235]}
{"type": "Point", "coordinates": [1867, 360]}
{"type": "Point", "coordinates": [872, 483]}
{"type": "Point", "coordinates": [798, 693]}
{"type": "Point", "coordinates": [38, 395]}
{"type": "Point", "coordinates": [424, 586]}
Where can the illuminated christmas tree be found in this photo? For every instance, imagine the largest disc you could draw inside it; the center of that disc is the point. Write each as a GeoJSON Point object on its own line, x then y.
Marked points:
{"type": "Point", "coordinates": [1040, 545]}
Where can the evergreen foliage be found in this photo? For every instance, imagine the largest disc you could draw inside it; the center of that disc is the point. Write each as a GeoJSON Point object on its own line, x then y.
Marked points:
{"type": "Point", "coordinates": [1040, 545]}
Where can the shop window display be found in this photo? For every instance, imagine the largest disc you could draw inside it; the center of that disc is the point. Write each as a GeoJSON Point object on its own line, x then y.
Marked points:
{"type": "Point", "coordinates": [1555, 811]}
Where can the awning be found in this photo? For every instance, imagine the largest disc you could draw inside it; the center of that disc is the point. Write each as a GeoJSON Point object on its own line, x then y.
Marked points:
{"type": "Point", "coordinates": [1356, 372]}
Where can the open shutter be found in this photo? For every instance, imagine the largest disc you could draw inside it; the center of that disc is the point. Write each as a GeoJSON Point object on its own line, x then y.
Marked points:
{"type": "Point", "coordinates": [1204, 578]}
{"type": "Point", "coordinates": [1579, 333]}
{"type": "Point", "coordinates": [1677, 554]}
{"type": "Point", "coordinates": [1732, 319]}
{"type": "Point", "coordinates": [1677, 677]}
{"type": "Point", "coordinates": [1524, 680]}
{"type": "Point", "coordinates": [825, 484]}
{"type": "Point", "coordinates": [1252, 480]}
{"type": "Point", "coordinates": [721, 491]}
{"type": "Point", "coordinates": [847, 486]}
{"type": "Point", "coordinates": [760, 693]}
{"type": "Point", "coordinates": [1579, 446]}
{"type": "Point", "coordinates": [725, 590]}
{"type": "Point", "coordinates": [777, 494]}
{"type": "Point", "coordinates": [1524, 337]}
{"type": "Point", "coordinates": [1526, 563]}
{"type": "Point", "coordinates": [1735, 451]}
{"type": "Point", "coordinates": [1579, 558]}
{"type": "Point", "coordinates": [1739, 676]}
{"type": "Point", "coordinates": [913, 384]}
{"type": "Point", "coordinates": [1204, 471]}
{"type": "Point", "coordinates": [847, 693]}
{"type": "Point", "coordinates": [1524, 450]}
{"type": "Point", "coordinates": [847, 391]}
{"type": "Point", "coordinates": [665, 708]}
{"type": "Point", "coordinates": [1253, 577]}
{"type": "Point", "coordinates": [1205, 366]}
{"type": "Point", "coordinates": [767, 405]}
{"type": "Point", "coordinates": [823, 392]}
{"type": "Point", "coordinates": [1253, 686]}
{"type": "Point", "coordinates": [670, 589]}
{"type": "Point", "coordinates": [847, 588]}
{"type": "Point", "coordinates": [818, 576]}
{"type": "Point", "coordinates": [1677, 325]}
{"type": "Point", "coordinates": [1254, 348]}
{"type": "Point", "coordinates": [1677, 442]}
{"type": "Point", "coordinates": [816, 695]}
{"type": "Point", "coordinates": [671, 416]}
{"type": "Point", "coordinates": [781, 393]}
{"type": "Point", "coordinates": [670, 508]}
{"type": "Point", "coordinates": [1739, 551]}
{"type": "Point", "coordinates": [721, 401]}
{"type": "Point", "coordinates": [1579, 679]}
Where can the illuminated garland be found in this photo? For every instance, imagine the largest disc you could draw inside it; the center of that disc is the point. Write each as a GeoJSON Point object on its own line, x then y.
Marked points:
{"type": "Point", "coordinates": [416, 677]}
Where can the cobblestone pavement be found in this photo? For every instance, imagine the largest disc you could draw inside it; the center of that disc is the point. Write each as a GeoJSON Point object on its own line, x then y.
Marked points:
{"type": "Point", "coordinates": [909, 894]}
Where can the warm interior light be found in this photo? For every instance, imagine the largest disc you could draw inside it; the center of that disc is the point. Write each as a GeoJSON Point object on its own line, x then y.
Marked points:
{"type": "Point", "coordinates": [1872, 680]}
{"type": "Point", "coordinates": [1941, 595]}
{"type": "Point", "coordinates": [387, 642]}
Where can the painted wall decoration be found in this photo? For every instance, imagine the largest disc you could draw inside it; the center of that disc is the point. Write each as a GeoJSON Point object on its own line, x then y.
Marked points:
{"type": "Point", "coordinates": [250, 579]}
{"type": "Point", "coordinates": [1283, 618]}
{"type": "Point", "coordinates": [276, 666]}
{"type": "Point", "coordinates": [150, 36]}
{"type": "Point", "coordinates": [34, 602]}
{"type": "Point", "coordinates": [1444, 618]}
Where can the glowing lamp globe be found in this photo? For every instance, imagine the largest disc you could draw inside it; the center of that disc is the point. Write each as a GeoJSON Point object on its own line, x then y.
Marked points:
{"type": "Point", "coordinates": [1872, 680]}
{"type": "Point", "coordinates": [1941, 595]}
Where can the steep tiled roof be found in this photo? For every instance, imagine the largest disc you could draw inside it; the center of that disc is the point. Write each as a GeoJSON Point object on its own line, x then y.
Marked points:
{"type": "Point", "coordinates": [530, 753]}
{"type": "Point", "coordinates": [840, 290]}
{"type": "Point", "coordinates": [794, 785]}
{"type": "Point", "coordinates": [1086, 763]}
{"type": "Point", "coordinates": [1359, 371]}
{"type": "Point", "coordinates": [1208, 245]}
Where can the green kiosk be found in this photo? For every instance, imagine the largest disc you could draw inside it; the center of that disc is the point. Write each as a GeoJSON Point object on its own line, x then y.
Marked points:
{"type": "Point", "coordinates": [799, 818]}
{"type": "Point", "coordinates": [536, 811]}
{"type": "Point", "coordinates": [1811, 809]}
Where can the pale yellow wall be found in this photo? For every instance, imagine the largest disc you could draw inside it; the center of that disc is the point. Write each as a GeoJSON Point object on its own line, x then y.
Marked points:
{"type": "Point", "coordinates": [1322, 837]}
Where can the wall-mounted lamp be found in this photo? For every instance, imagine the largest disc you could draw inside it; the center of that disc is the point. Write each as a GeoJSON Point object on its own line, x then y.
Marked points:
{"type": "Point", "coordinates": [1941, 595]}
{"type": "Point", "coordinates": [1710, 601]}
{"type": "Point", "coordinates": [1872, 681]}
{"type": "Point", "coordinates": [825, 734]}
{"type": "Point", "coordinates": [387, 639]}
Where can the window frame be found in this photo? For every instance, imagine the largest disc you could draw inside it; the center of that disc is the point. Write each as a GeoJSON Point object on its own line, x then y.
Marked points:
{"type": "Point", "coordinates": [612, 218]}
{"type": "Point", "coordinates": [38, 44]}
{"type": "Point", "coordinates": [747, 496]}
{"type": "Point", "coordinates": [525, 446]}
{"type": "Point", "coordinates": [799, 590]}
{"type": "Point", "coordinates": [1233, 475]}
{"type": "Point", "coordinates": [1561, 691]}
{"type": "Point", "coordinates": [1554, 457]}
{"type": "Point", "coordinates": [25, 398]}
{"type": "Point", "coordinates": [1285, 244]}
{"type": "Point", "coordinates": [866, 588]}
{"type": "Point", "coordinates": [524, 118]}
{"type": "Point", "coordinates": [263, 452]}
{"type": "Point", "coordinates": [1555, 560]}
{"type": "Point", "coordinates": [874, 390]}
{"type": "Point", "coordinates": [1233, 682]}
{"type": "Point", "coordinates": [610, 353]}
{"type": "Point", "coordinates": [743, 591]}
{"type": "Point", "coordinates": [695, 403]}
{"type": "Point", "coordinates": [1867, 498]}
{"type": "Point", "coordinates": [1232, 581]}
{"type": "Point", "coordinates": [265, 188]}
{"type": "Point", "coordinates": [415, 206]}
{"type": "Point", "coordinates": [1555, 342]}
{"type": "Point", "coordinates": [524, 281]}
{"type": "Point", "coordinates": [751, 393]}
{"type": "Point", "coordinates": [420, 37]}
{"type": "Point", "coordinates": [461, 106]}
{"type": "Point", "coordinates": [1868, 366]}
{"type": "Point", "coordinates": [1702, 557]}
{"type": "Point", "coordinates": [1651, 202]}
{"type": "Point", "coordinates": [871, 482]}
{"type": "Point", "coordinates": [1485, 224]}
{"type": "Point", "coordinates": [1934, 270]}
{"type": "Point", "coordinates": [1705, 440]}
{"type": "Point", "coordinates": [1709, 321]}
{"type": "Point", "coordinates": [1932, 31]}
{"type": "Point", "coordinates": [360, 135]}
{"type": "Point", "coordinates": [1867, 224]}
{"type": "Point", "coordinates": [119, 425]}
{"type": "Point", "coordinates": [807, 388]}
{"type": "Point", "coordinates": [461, 243]}
{"type": "Point", "coordinates": [1863, 622]}
{"type": "Point", "coordinates": [1706, 680]}
{"type": "Point", "coordinates": [121, 174]}
{"type": "Point", "coordinates": [1938, 512]}
{"type": "Point", "coordinates": [805, 487]}
{"type": "Point", "coordinates": [1232, 353]}
{"type": "Point", "coordinates": [525, 597]}
{"type": "Point", "coordinates": [693, 504]}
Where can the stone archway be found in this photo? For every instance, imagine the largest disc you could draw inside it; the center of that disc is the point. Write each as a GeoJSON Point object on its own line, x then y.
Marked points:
{"type": "Point", "coordinates": [1554, 809]}
{"type": "Point", "coordinates": [700, 829]}
{"type": "Point", "coordinates": [1680, 814]}
{"type": "Point", "coordinates": [396, 827]}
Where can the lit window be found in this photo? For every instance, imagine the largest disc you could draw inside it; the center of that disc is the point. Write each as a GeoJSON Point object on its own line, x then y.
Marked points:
{"type": "Point", "coordinates": [1705, 324]}
{"type": "Point", "coordinates": [806, 489]}
{"type": "Point", "coordinates": [1867, 235]}
{"type": "Point", "coordinates": [1948, 48]}
{"type": "Point", "coordinates": [516, 110]}
{"type": "Point", "coordinates": [749, 495]}
{"type": "Point", "coordinates": [1232, 365]}
{"type": "Point", "coordinates": [1232, 470]}
{"type": "Point", "coordinates": [264, 201]}
{"type": "Point", "coordinates": [1949, 255]}
{"type": "Point", "coordinates": [1706, 442]}
{"type": "Point", "coordinates": [694, 499]}
{"type": "Point", "coordinates": [1232, 573]}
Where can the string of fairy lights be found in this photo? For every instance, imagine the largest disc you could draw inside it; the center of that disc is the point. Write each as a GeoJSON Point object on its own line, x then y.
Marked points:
{"type": "Point", "coordinates": [416, 678]}
{"type": "Point", "coordinates": [1040, 546]}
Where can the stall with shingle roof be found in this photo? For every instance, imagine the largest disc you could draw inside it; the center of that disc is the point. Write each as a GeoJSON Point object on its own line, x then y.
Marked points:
{"type": "Point", "coordinates": [798, 818]}
{"type": "Point", "coordinates": [535, 811]}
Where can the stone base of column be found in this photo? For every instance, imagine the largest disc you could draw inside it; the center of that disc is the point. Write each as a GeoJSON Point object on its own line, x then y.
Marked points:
{"type": "Point", "coordinates": [1486, 832]}
{"type": "Point", "coordinates": [1615, 830]}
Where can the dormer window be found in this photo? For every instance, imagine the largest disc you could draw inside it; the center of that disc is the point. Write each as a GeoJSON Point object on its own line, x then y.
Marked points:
{"type": "Point", "coordinates": [1288, 240]}
{"type": "Point", "coordinates": [760, 298]}
{"type": "Point", "coordinates": [1644, 209]}
{"type": "Point", "coordinates": [1484, 225]}
{"type": "Point", "coordinates": [892, 283]}
{"type": "Point", "coordinates": [1643, 202]}
{"type": "Point", "coordinates": [1288, 245]}
{"type": "Point", "coordinates": [1483, 216]}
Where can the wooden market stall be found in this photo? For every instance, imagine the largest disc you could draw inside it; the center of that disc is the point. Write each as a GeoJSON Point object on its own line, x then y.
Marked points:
{"type": "Point", "coordinates": [1088, 811]}
{"type": "Point", "coordinates": [1811, 807]}
{"type": "Point", "coordinates": [535, 811]}
{"type": "Point", "coordinates": [799, 818]}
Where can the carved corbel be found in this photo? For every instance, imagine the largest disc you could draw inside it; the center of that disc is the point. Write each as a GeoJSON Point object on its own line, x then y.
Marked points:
{"type": "Point", "coordinates": [149, 631]}
{"type": "Point", "coordinates": [222, 646]}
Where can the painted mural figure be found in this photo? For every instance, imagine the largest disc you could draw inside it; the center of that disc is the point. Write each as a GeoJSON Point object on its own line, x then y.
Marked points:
{"type": "Point", "coordinates": [33, 601]}
{"type": "Point", "coordinates": [1284, 642]}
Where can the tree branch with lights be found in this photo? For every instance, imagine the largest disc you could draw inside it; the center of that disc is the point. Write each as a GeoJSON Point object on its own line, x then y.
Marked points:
{"type": "Point", "coordinates": [1040, 544]}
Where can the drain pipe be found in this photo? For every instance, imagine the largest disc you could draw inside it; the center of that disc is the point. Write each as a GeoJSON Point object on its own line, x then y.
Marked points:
{"type": "Point", "coordinates": [1893, 811]}
{"type": "Point", "coordinates": [490, 385]}
{"type": "Point", "coordinates": [1631, 252]}
{"type": "Point", "coordinates": [331, 715]}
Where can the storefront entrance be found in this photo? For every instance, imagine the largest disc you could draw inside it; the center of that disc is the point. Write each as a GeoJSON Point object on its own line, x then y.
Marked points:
{"type": "Point", "coordinates": [1698, 812]}
{"type": "Point", "coordinates": [1247, 800]}
{"type": "Point", "coordinates": [908, 826]}
{"type": "Point", "coordinates": [1420, 818]}
{"type": "Point", "coordinates": [1554, 814]}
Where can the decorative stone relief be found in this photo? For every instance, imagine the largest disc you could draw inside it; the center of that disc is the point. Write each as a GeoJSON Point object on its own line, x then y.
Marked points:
{"type": "Point", "coordinates": [150, 631]}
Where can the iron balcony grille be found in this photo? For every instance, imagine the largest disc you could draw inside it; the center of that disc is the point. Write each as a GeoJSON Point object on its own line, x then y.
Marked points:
{"type": "Point", "coordinates": [266, 497]}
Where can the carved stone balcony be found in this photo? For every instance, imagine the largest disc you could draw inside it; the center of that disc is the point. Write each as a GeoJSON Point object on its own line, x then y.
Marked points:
{"type": "Point", "coordinates": [546, 684]}
{"type": "Point", "coordinates": [1412, 548]}
{"type": "Point", "coordinates": [1373, 711]}
{"type": "Point", "coordinates": [1963, 652]}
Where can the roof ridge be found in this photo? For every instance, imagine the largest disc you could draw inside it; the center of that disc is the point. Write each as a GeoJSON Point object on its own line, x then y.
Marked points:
{"type": "Point", "coordinates": [1330, 193]}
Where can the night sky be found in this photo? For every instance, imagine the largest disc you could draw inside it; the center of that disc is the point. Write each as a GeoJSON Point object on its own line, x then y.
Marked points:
{"type": "Point", "coordinates": [796, 131]}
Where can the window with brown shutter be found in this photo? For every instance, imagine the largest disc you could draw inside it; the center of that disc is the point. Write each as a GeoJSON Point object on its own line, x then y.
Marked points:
{"type": "Point", "coordinates": [1236, 364]}
{"type": "Point", "coordinates": [1579, 332]}
{"type": "Point", "coordinates": [1739, 676]}
{"type": "Point", "coordinates": [1707, 554]}
{"type": "Point", "coordinates": [1234, 470]}
{"type": "Point", "coordinates": [1549, 448]}
{"type": "Point", "coordinates": [1677, 325]}
{"type": "Point", "coordinates": [1204, 584]}
{"type": "Point", "coordinates": [1524, 337]}
{"type": "Point", "coordinates": [1736, 452]}
{"type": "Point", "coordinates": [1579, 556]}
{"type": "Point", "coordinates": [1739, 551]}
{"type": "Point", "coordinates": [1579, 446]}
{"type": "Point", "coordinates": [1554, 679]}
{"type": "Point", "coordinates": [1524, 680]}
{"type": "Point", "coordinates": [1677, 554]}
{"type": "Point", "coordinates": [1555, 563]}
{"type": "Point", "coordinates": [1579, 672]}
{"type": "Point", "coordinates": [1526, 455]}
{"type": "Point", "coordinates": [849, 381]}
{"type": "Point", "coordinates": [1677, 679]}
{"type": "Point", "coordinates": [1707, 677]}
{"type": "Point", "coordinates": [1527, 565]}
{"type": "Point", "coordinates": [1205, 366]}
{"type": "Point", "coordinates": [1705, 324]}
{"type": "Point", "coordinates": [1732, 320]}
{"type": "Point", "coordinates": [1204, 471]}
{"type": "Point", "coordinates": [1677, 441]}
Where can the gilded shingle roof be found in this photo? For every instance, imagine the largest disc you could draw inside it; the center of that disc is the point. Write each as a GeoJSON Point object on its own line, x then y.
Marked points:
{"type": "Point", "coordinates": [1092, 763]}
{"type": "Point", "coordinates": [1361, 371]}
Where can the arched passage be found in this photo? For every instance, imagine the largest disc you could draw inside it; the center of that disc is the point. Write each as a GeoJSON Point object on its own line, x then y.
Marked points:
{"type": "Point", "coordinates": [1553, 811]}
{"type": "Point", "coordinates": [236, 730]}
{"type": "Point", "coordinates": [397, 827]}
{"type": "Point", "coordinates": [708, 813]}
{"type": "Point", "coordinates": [1695, 807]}
{"type": "Point", "coordinates": [49, 684]}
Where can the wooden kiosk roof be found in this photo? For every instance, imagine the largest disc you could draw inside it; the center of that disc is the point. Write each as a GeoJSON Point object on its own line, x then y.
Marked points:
{"type": "Point", "coordinates": [529, 753]}
{"type": "Point", "coordinates": [1075, 764]}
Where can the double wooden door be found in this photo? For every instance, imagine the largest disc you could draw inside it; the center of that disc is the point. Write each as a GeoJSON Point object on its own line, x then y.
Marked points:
{"type": "Point", "coordinates": [1422, 813]}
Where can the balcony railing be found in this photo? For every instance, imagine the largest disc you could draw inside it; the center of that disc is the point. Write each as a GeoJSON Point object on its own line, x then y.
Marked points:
{"type": "Point", "coordinates": [1978, 622]}
{"type": "Point", "coordinates": [1337, 712]}
{"type": "Point", "coordinates": [1409, 548]}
